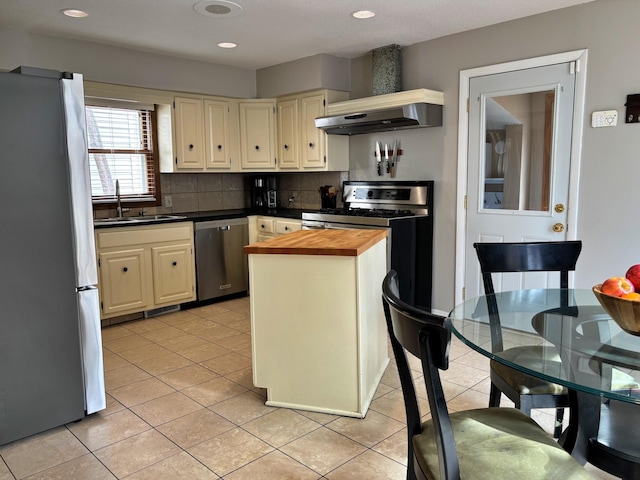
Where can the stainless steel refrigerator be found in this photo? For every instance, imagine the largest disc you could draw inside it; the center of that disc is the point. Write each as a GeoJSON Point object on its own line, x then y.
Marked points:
{"type": "Point", "coordinates": [51, 370]}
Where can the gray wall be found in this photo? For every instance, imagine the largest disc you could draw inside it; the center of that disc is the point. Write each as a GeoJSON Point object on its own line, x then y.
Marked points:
{"type": "Point", "coordinates": [317, 71]}
{"type": "Point", "coordinates": [103, 63]}
{"type": "Point", "coordinates": [610, 166]}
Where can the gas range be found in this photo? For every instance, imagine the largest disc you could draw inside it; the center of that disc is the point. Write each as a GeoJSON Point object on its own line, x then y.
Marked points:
{"type": "Point", "coordinates": [376, 203]}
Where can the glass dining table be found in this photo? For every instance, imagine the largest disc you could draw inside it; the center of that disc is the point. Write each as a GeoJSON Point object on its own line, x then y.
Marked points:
{"type": "Point", "coordinates": [594, 358]}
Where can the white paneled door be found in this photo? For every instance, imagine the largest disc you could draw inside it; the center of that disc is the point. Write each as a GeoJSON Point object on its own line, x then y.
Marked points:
{"type": "Point", "coordinates": [519, 160]}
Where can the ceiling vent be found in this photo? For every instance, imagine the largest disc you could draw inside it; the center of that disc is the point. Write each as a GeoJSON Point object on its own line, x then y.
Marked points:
{"type": "Point", "coordinates": [218, 8]}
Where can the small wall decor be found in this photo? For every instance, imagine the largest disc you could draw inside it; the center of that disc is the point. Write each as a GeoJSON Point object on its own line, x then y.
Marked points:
{"type": "Point", "coordinates": [633, 108]}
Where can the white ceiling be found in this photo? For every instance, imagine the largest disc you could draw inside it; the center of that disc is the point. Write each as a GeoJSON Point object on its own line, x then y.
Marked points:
{"type": "Point", "coordinates": [268, 32]}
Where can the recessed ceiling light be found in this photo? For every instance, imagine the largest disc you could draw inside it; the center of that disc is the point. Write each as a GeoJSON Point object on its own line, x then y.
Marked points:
{"type": "Point", "coordinates": [218, 8]}
{"type": "Point", "coordinates": [227, 45]}
{"type": "Point", "coordinates": [362, 14]}
{"type": "Point", "coordinates": [72, 12]}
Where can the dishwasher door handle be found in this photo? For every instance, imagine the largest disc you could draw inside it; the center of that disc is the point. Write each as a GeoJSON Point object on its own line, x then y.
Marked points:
{"type": "Point", "coordinates": [225, 227]}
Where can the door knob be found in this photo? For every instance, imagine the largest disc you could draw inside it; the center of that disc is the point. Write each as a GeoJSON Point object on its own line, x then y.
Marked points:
{"type": "Point", "coordinates": [558, 227]}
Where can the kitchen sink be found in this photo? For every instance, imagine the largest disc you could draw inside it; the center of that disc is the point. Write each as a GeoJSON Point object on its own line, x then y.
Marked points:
{"type": "Point", "coordinates": [153, 218]}
{"type": "Point", "coordinates": [138, 219]}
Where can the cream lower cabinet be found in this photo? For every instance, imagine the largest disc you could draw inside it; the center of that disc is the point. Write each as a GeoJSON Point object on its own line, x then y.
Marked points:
{"type": "Point", "coordinates": [271, 227]}
{"type": "Point", "coordinates": [143, 268]}
{"type": "Point", "coordinates": [301, 145]}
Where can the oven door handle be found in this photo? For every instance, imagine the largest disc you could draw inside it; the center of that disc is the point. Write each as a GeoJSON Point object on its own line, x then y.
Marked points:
{"type": "Point", "coordinates": [353, 226]}
{"type": "Point", "coordinates": [307, 226]}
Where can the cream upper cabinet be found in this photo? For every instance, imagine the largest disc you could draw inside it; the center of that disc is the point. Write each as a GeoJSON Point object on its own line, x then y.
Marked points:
{"type": "Point", "coordinates": [313, 140]}
{"type": "Point", "coordinates": [206, 134]}
{"type": "Point", "coordinates": [257, 134]}
{"type": "Point", "coordinates": [217, 128]}
{"type": "Point", "coordinates": [189, 133]}
{"type": "Point", "coordinates": [288, 136]}
{"type": "Point", "coordinates": [315, 151]}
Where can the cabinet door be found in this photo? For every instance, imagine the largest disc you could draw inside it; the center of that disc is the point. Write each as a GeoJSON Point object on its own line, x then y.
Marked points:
{"type": "Point", "coordinates": [257, 127]}
{"type": "Point", "coordinates": [265, 225]}
{"type": "Point", "coordinates": [288, 155]}
{"type": "Point", "coordinates": [189, 132]}
{"type": "Point", "coordinates": [122, 281]}
{"type": "Point", "coordinates": [172, 273]}
{"type": "Point", "coordinates": [216, 132]}
{"type": "Point", "coordinates": [313, 139]}
{"type": "Point", "coordinates": [287, 226]}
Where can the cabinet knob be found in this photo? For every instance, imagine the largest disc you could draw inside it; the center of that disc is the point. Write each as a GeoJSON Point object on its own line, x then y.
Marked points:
{"type": "Point", "coordinates": [219, 147]}
{"type": "Point", "coordinates": [191, 146]}
{"type": "Point", "coordinates": [125, 269]}
{"type": "Point", "coordinates": [286, 147]}
{"type": "Point", "coordinates": [174, 263]}
{"type": "Point", "coordinates": [262, 226]}
{"type": "Point", "coordinates": [310, 144]}
{"type": "Point", "coordinates": [257, 147]}
{"type": "Point", "coordinates": [286, 228]}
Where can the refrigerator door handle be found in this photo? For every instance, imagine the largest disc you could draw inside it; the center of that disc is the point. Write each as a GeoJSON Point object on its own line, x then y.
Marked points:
{"type": "Point", "coordinates": [79, 180]}
{"type": "Point", "coordinates": [91, 347]}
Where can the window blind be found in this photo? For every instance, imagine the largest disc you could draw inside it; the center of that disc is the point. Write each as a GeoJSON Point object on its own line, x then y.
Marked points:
{"type": "Point", "coordinates": [121, 148]}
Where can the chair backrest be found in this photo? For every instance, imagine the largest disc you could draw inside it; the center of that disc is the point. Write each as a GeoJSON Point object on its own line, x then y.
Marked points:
{"type": "Point", "coordinates": [527, 257]}
{"type": "Point", "coordinates": [428, 337]}
{"type": "Point", "coordinates": [523, 257]}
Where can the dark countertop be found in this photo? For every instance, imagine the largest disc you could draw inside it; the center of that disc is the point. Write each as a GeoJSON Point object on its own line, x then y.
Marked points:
{"type": "Point", "coordinates": [244, 212]}
{"type": "Point", "coordinates": [217, 215]}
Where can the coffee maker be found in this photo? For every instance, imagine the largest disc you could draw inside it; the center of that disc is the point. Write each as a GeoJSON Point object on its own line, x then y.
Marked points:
{"type": "Point", "coordinates": [264, 192]}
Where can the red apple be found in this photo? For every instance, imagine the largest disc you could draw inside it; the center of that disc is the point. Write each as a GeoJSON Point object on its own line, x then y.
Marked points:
{"type": "Point", "coordinates": [633, 275]}
{"type": "Point", "coordinates": [616, 286]}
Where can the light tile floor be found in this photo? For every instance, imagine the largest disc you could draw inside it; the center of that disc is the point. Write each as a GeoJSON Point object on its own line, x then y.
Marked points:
{"type": "Point", "coordinates": [181, 405]}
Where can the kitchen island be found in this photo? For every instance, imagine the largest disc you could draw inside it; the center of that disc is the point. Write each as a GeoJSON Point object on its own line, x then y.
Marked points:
{"type": "Point", "coordinates": [318, 332]}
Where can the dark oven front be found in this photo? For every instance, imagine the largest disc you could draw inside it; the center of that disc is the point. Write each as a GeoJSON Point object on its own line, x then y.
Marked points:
{"type": "Point", "coordinates": [409, 252]}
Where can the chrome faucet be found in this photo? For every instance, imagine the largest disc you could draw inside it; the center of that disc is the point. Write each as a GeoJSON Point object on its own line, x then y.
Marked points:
{"type": "Point", "coordinates": [119, 205]}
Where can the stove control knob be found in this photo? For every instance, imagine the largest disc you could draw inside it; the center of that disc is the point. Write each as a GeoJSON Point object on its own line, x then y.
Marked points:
{"type": "Point", "coordinates": [369, 193]}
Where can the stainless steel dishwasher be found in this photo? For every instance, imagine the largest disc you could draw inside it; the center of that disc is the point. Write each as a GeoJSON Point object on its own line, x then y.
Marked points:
{"type": "Point", "coordinates": [221, 265]}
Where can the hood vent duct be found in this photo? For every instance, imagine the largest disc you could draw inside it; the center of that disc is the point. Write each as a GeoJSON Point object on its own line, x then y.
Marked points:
{"type": "Point", "coordinates": [382, 113]}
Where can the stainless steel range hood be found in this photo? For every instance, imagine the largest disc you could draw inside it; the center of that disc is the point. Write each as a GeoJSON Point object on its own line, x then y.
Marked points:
{"type": "Point", "coordinates": [382, 113]}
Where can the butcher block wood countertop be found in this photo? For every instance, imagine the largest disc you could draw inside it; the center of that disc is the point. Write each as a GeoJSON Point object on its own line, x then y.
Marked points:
{"type": "Point", "coordinates": [342, 243]}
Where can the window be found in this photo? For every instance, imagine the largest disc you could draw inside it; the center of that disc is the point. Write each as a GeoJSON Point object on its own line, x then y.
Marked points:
{"type": "Point", "coordinates": [121, 147]}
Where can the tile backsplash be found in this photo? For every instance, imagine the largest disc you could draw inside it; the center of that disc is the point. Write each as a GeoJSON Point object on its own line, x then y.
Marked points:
{"type": "Point", "coordinates": [303, 188]}
{"type": "Point", "coordinates": [200, 192]}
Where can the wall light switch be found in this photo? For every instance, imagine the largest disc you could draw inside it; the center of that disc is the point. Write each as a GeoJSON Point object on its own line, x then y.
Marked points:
{"type": "Point", "coordinates": [604, 118]}
{"type": "Point", "coordinates": [168, 201]}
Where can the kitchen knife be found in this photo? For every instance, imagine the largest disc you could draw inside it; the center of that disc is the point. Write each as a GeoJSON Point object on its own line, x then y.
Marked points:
{"type": "Point", "coordinates": [394, 159]}
{"type": "Point", "coordinates": [386, 157]}
{"type": "Point", "coordinates": [378, 159]}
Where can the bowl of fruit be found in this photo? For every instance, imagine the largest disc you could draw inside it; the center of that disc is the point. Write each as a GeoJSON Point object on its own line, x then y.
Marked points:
{"type": "Point", "coordinates": [620, 298]}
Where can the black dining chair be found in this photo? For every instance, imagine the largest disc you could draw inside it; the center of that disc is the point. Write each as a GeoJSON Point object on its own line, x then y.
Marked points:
{"type": "Point", "coordinates": [485, 443]}
{"type": "Point", "coordinates": [525, 391]}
